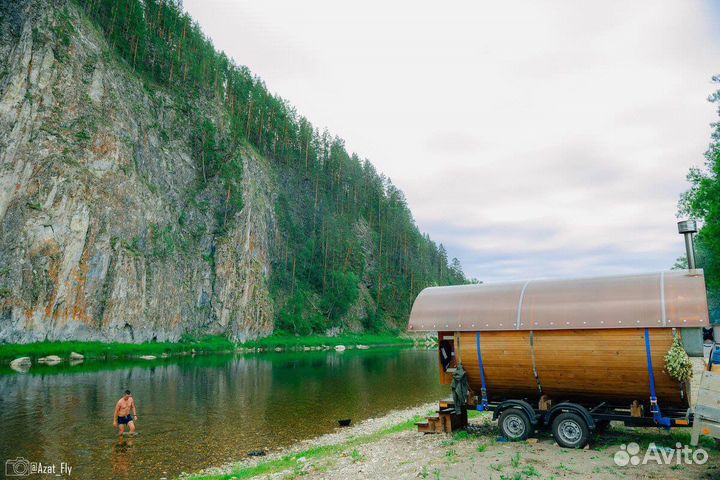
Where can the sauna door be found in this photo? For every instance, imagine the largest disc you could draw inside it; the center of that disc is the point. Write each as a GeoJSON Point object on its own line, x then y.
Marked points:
{"type": "Point", "coordinates": [447, 356]}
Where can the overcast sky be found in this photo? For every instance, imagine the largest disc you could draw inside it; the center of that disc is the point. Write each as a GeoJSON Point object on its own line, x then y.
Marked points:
{"type": "Point", "coordinates": [533, 139]}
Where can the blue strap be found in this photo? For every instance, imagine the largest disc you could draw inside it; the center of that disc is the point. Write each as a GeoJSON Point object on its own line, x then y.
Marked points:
{"type": "Point", "coordinates": [654, 407]}
{"type": "Point", "coordinates": [483, 392]}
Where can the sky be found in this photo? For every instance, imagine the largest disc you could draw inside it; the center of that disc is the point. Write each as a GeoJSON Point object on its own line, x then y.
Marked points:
{"type": "Point", "coordinates": [534, 139]}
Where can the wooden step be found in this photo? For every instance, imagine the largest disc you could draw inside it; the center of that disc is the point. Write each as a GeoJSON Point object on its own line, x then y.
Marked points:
{"type": "Point", "coordinates": [444, 422]}
{"type": "Point", "coordinates": [424, 427]}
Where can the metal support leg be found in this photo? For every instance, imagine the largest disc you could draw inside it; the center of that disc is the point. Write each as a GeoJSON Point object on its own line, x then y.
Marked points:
{"type": "Point", "coordinates": [695, 436]}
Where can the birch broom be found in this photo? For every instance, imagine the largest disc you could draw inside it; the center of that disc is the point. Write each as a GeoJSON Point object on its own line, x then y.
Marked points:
{"type": "Point", "coordinates": [677, 362]}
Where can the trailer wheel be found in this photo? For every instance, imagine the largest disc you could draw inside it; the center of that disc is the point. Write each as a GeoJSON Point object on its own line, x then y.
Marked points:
{"type": "Point", "coordinates": [514, 424]}
{"type": "Point", "coordinates": [570, 430]}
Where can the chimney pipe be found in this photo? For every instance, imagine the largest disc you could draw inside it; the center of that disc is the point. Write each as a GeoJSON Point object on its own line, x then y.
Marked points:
{"type": "Point", "coordinates": [687, 228]}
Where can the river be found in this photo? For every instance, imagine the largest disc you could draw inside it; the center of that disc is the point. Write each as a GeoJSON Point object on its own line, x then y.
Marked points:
{"type": "Point", "coordinates": [202, 411]}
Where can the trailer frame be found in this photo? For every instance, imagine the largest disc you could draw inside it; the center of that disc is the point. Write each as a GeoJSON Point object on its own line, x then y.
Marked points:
{"type": "Point", "coordinates": [582, 419]}
{"type": "Point", "coordinates": [594, 417]}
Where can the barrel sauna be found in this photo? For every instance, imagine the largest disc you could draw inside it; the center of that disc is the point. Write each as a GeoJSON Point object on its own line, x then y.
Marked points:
{"type": "Point", "coordinates": [575, 340]}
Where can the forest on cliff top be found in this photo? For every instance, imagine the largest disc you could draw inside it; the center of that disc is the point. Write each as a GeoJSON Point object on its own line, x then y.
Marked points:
{"type": "Point", "coordinates": [344, 230]}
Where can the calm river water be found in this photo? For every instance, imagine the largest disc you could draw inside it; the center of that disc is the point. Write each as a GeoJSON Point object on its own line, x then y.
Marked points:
{"type": "Point", "coordinates": [202, 411]}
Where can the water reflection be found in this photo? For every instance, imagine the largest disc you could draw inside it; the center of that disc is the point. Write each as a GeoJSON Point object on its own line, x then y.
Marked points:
{"type": "Point", "coordinates": [121, 456]}
{"type": "Point", "coordinates": [203, 411]}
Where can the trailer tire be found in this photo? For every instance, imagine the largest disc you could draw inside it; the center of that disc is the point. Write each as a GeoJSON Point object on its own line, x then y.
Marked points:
{"type": "Point", "coordinates": [515, 425]}
{"type": "Point", "coordinates": [570, 430]}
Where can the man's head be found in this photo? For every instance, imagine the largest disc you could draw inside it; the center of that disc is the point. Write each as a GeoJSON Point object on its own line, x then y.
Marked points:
{"type": "Point", "coordinates": [127, 394]}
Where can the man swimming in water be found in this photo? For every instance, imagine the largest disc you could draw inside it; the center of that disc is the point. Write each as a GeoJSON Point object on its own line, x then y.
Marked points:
{"type": "Point", "coordinates": [122, 415]}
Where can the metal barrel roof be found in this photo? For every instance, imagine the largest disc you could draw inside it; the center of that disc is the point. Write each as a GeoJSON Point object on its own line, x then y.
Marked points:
{"type": "Point", "coordinates": [663, 299]}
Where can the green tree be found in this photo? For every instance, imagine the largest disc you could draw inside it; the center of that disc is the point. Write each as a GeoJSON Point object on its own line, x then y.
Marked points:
{"type": "Point", "coordinates": [702, 201]}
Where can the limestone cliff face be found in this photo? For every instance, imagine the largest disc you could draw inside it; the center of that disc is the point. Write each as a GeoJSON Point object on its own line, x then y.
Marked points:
{"type": "Point", "coordinates": [104, 232]}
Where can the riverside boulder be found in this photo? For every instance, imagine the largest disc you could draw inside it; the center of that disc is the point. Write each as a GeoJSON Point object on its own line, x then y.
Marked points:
{"type": "Point", "coordinates": [21, 365]}
{"type": "Point", "coordinates": [21, 361]}
{"type": "Point", "coordinates": [50, 360]}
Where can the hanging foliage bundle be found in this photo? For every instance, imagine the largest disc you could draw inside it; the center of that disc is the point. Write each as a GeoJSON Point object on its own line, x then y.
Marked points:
{"type": "Point", "coordinates": [677, 362]}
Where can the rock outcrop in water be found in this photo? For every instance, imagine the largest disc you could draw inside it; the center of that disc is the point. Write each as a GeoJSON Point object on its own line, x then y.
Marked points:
{"type": "Point", "coordinates": [112, 225]}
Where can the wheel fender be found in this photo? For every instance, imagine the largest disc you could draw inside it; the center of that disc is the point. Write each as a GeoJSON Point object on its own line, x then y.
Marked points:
{"type": "Point", "coordinates": [570, 407]}
{"type": "Point", "coordinates": [519, 404]}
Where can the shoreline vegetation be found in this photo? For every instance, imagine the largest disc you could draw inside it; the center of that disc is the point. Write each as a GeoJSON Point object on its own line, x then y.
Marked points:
{"type": "Point", "coordinates": [203, 345]}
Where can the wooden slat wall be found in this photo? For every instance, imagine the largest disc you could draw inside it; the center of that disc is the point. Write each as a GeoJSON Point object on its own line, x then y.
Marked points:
{"type": "Point", "coordinates": [599, 365]}
{"type": "Point", "coordinates": [507, 361]}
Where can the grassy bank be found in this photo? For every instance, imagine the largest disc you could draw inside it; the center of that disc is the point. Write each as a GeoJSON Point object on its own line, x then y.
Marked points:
{"type": "Point", "coordinates": [210, 344]}
{"type": "Point", "coordinates": [289, 342]}
{"type": "Point", "coordinates": [102, 350]}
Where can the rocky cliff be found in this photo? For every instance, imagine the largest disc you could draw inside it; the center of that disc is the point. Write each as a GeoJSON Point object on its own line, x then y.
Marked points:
{"type": "Point", "coordinates": [105, 234]}
{"type": "Point", "coordinates": [150, 188]}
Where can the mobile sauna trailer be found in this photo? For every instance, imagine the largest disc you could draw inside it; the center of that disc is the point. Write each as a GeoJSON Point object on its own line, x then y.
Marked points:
{"type": "Point", "coordinates": [569, 354]}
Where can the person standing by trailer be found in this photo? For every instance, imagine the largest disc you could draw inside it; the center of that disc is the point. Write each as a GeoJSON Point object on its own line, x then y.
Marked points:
{"type": "Point", "coordinates": [122, 414]}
